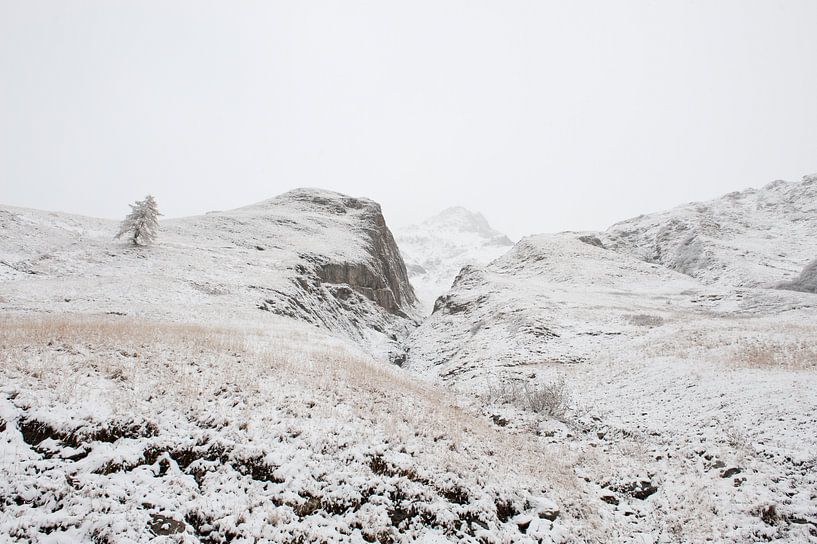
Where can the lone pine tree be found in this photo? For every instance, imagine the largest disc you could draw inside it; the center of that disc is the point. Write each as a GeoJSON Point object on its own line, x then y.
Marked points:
{"type": "Point", "coordinates": [142, 223]}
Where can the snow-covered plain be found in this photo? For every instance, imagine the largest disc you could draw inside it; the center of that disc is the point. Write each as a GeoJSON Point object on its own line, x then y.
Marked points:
{"type": "Point", "coordinates": [649, 384]}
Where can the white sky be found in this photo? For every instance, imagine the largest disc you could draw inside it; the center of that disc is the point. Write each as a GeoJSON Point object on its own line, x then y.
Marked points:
{"type": "Point", "coordinates": [543, 115]}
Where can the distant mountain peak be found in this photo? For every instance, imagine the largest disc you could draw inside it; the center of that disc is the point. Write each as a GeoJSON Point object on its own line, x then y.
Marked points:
{"type": "Point", "coordinates": [437, 249]}
{"type": "Point", "coordinates": [462, 220]}
{"type": "Point", "coordinates": [459, 212]}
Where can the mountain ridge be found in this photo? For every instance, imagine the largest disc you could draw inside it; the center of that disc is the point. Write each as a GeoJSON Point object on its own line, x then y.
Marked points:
{"type": "Point", "coordinates": [743, 238]}
{"type": "Point", "coordinates": [312, 255]}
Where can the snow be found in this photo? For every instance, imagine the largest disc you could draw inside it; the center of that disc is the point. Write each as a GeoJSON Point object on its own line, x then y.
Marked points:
{"type": "Point", "coordinates": [226, 265]}
{"type": "Point", "coordinates": [704, 393]}
{"type": "Point", "coordinates": [161, 394]}
{"type": "Point", "coordinates": [272, 436]}
{"type": "Point", "coordinates": [806, 281]}
{"type": "Point", "coordinates": [756, 237]}
{"type": "Point", "coordinates": [436, 249]}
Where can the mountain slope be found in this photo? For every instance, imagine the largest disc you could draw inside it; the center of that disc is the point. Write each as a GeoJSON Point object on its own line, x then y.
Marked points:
{"type": "Point", "coordinates": [545, 302]}
{"type": "Point", "coordinates": [312, 255]}
{"type": "Point", "coordinates": [120, 430]}
{"type": "Point", "coordinates": [436, 249]}
{"type": "Point", "coordinates": [806, 281]}
{"type": "Point", "coordinates": [756, 237]}
{"type": "Point", "coordinates": [685, 390]}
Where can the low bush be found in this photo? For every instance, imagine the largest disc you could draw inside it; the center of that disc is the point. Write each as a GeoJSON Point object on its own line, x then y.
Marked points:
{"type": "Point", "coordinates": [549, 399]}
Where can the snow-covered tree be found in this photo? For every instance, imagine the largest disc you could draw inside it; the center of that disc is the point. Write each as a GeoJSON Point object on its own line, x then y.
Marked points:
{"type": "Point", "coordinates": [142, 223]}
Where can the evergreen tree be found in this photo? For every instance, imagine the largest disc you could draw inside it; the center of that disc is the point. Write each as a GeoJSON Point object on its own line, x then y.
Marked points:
{"type": "Point", "coordinates": [142, 222]}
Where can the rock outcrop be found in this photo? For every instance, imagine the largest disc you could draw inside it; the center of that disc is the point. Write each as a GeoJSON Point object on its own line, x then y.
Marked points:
{"type": "Point", "coordinates": [806, 282]}
{"type": "Point", "coordinates": [749, 238]}
{"type": "Point", "coordinates": [378, 273]}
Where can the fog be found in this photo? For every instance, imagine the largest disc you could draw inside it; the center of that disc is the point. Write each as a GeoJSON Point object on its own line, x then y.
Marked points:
{"type": "Point", "coordinates": [544, 116]}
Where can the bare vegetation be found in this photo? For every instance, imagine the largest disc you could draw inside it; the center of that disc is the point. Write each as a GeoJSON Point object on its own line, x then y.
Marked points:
{"type": "Point", "coordinates": [549, 399]}
{"type": "Point", "coordinates": [243, 399]}
{"type": "Point", "coordinates": [740, 343]}
{"type": "Point", "coordinates": [644, 320]}
{"type": "Point", "coordinates": [770, 353]}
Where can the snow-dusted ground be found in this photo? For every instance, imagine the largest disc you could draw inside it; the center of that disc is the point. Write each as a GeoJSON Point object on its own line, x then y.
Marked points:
{"type": "Point", "coordinates": [231, 383]}
{"type": "Point", "coordinates": [292, 255]}
{"type": "Point", "coordinates": [116, 430]}
{"type": "Point", "coordinates": [437, 249]}
{"type": "Point", "coordinates": [705, 394]}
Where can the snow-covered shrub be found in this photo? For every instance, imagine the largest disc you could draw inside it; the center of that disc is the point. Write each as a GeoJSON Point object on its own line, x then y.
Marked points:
{"type": "Point", "coordinates": [549, 399]}
{"type": "Point", "coordinates": [644, 320]}
{"type": "Point", "coordinates": [142, 223]}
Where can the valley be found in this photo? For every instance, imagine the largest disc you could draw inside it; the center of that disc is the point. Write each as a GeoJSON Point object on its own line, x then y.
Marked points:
{"type": "Point", "coordinates": [292, 371]}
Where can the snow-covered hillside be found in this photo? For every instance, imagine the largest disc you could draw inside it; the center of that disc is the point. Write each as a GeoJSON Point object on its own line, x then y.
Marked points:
{"type": "Point", "coordinates": [437, 249]}
{"type": "Point", "coordinates": [546, 302]}
{"type": "Point", "coordinates": [756, 237]}
{"type": "Point", "coordinates": [701, 391]}
{"type": "Point", "coordinates": [806, 281]}
{"type": "Point", "coordinates": [314, 255]}
{"type": "Point", "coordinates": [122, 430]}
{"type": "Point", "coordinates": [650, 384]}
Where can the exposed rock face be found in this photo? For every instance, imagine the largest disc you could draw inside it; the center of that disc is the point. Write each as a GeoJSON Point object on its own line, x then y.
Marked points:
{"type": "Point", "coordinates": [747, 238]}
{"type": "Point", "coordinates": [381, 274]}
{"type": "Point", "coordinates": [312, 255]}
{"type": "Point", "coordinates": [806, 282]}
{"type": "Point", "coordinates": [363, 280]}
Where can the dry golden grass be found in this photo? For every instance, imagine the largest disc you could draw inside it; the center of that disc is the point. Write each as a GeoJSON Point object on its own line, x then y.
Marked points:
{"type": "Point", "coordinates": [770, 353]}
{"type": "Point", "coordinates": [16, 331]}
{"type": "Point", "coordinates": [155, 359]}
{"type": "Point", "coordinates": [738, 343]}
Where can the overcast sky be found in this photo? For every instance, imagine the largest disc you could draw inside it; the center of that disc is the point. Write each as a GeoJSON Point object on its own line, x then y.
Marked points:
{"type": "Point", "coordinates": [544, 116]}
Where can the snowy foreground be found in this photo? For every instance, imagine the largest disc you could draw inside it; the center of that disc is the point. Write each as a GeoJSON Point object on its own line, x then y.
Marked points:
{"type": "Point", "coordinates": [124, 431]}
{"type": "Point", "coordinates": [116, 430]}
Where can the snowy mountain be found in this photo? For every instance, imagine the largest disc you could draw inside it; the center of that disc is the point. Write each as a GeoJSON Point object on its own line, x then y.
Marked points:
{"type": "Point", "coordinates": [652, 383]}
{"type": "Point", "coordinates": [693, 390]}
{"type": "Point", "coordinates": [546, 302]}
{"type": "Point", "coordinates": [436, 249]}
{"type": "Point", "coordinates": [663, 346]}
{"type": "Point", "coordinates": [313, 255]}
{"type": "Point", "coordinates": [756, 237]}
{"type": "Point", "coordinates": [230, 384]}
